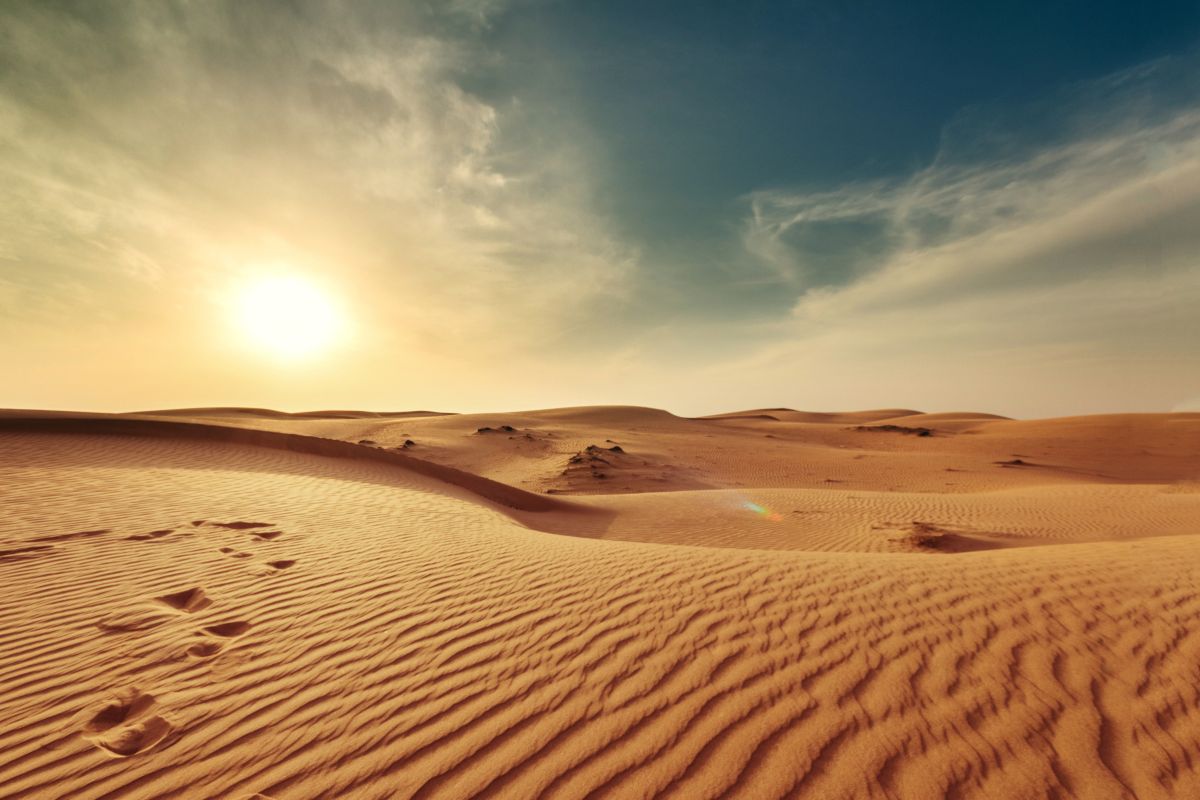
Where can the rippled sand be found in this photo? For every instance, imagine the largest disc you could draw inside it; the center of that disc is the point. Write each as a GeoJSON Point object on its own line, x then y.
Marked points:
{"type": "Point", "coordinates": [766, 605]}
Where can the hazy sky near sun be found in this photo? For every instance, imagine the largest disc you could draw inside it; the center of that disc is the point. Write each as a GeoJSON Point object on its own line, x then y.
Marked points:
{"type": "Point", "coordinates": [990, 206]}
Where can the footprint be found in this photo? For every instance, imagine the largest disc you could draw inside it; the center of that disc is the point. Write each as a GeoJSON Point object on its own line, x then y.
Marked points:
{"type": "Point", "coordinates": [122, 728]}
{"type": "Point", "coordinates": [188, 601]}
{"type": "Point", "coordinates": [229, 551]}
{"type": "Point", "coordinates": [208, 646]}
{"type": "Point", "coordinates": [241, 526]}
{"type": "Point", "coordinates": [228, 630]}
{"type": "Point", "coordinates": [281, 564]}
{"type": "Point", "coordinates": [126, 706]}
{"type": "Point", "coordinates": [136, 738]}
{"type": "Point", "coordinates": [204, 649]}
{"type": "Point", "coordinates": [141, 537]}
{"type": "Point", "coordinates": [268, 535]}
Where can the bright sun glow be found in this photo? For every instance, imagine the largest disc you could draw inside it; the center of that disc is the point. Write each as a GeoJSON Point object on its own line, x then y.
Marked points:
{"type": "Point", "coordinates": [288, 317]}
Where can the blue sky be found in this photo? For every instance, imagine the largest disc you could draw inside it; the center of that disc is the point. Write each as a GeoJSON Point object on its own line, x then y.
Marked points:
{"type": "Point", "coordinates": [701, 206]}
{"type": "Point", "coordinates": [695, 105]}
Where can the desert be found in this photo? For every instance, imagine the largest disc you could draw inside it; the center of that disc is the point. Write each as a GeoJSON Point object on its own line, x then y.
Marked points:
{"type": "Point", "coordinates": [241, 603]}
{"type": "Point", "coordinates": [623, 400]}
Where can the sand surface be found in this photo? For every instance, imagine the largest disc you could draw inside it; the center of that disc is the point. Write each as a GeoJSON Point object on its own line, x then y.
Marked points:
{"type": "Point", "coordinates": [236, 603]}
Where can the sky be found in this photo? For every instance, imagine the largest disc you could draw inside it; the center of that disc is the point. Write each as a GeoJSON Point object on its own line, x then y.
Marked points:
{"type": "Point", "coordinates": [518, 204]}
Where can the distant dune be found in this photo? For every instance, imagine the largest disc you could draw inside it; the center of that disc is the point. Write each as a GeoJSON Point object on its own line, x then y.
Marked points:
{"type": "Point", "coordinates": [609, 601]}
{"type": "Point", "coordinates": [231, 411]}
{"type": "Point", "coordinates": [827, 417]}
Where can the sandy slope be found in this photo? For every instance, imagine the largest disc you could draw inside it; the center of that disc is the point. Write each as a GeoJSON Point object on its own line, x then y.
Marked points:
{"type": "Point", "coordinates": [966, 452]}
{"type": "Point", "coordinates": [195, 614]}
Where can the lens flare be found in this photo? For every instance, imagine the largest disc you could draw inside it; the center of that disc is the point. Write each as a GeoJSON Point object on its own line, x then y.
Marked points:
{"type": "Point", "coordinates": [762, 511]}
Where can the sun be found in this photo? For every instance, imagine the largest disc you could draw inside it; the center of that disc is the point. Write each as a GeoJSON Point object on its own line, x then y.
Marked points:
{"type": "Point", "coordinates": [288, 317]}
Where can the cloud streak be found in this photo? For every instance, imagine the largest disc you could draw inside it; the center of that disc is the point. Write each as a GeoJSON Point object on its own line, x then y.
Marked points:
{"type": "Point", "coordinates": [1077, 253]}
{"type": "Point", "coordinates": [174, 146]}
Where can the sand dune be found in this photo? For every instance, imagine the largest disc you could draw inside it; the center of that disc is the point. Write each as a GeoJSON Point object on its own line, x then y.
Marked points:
{"type": "Point", "coordinates": [485, 488]}
{"type": "Point", "coordinates": [240, 412]}
{"type": "Point", "coordinates": [260, 606]}
{"type": "Point", "coordinates": [819, 417]}
{"type": "Point", "coordinates": [662, 452]}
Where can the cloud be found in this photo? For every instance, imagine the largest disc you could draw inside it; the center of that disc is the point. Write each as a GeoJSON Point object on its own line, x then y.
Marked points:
{"type": "Point", "coordinates": [1073, 248]}
{"type": "Point", "coordinates": [157, 151]}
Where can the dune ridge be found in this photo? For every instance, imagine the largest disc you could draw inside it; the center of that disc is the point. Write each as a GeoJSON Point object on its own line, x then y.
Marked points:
{"type": "Point", "coordinates": [503, 494]}
{"type": "Point", "coordinates": [246, 411]}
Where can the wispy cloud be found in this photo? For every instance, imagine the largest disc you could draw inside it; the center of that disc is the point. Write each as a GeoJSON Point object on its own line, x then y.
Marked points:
{"type": "Point", "coordinates": [169, 147]}
{"type": "Point", "coordinates": [1077, 251]}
